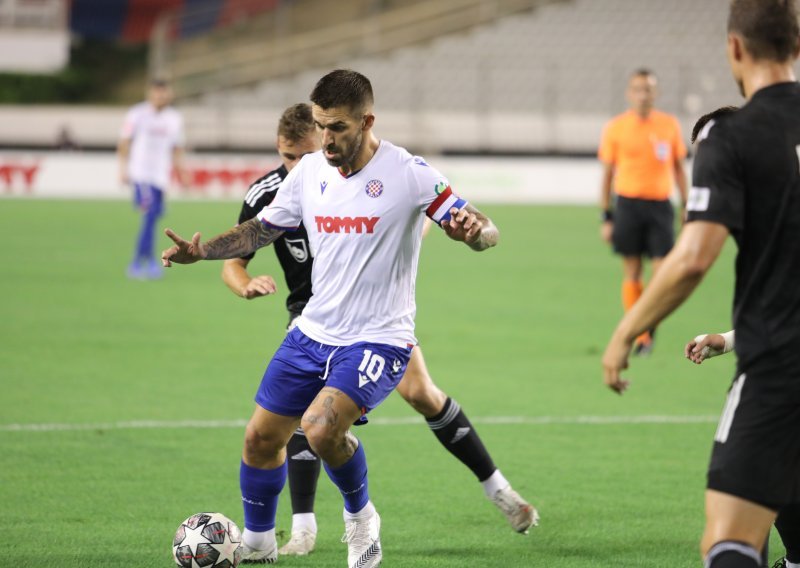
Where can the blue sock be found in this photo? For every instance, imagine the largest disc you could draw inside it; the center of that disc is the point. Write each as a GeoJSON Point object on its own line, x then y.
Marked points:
{"type": "Point", "coordinates": [260, 490]}
{"type": "Point", "coordinates": [146, 240]}
{"type": "Point", "coordinates": [351, 479]}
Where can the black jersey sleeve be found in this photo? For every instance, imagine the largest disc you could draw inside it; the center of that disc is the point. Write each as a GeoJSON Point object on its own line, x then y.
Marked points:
{"type": "Point", "coordinates": [259, 195]}
{"type": "Point", "coordinates": [717, 192]}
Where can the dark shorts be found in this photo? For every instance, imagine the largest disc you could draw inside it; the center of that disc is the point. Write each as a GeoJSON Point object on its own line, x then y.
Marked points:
{"type": "Point", "coordinates": [756, 453]}
{"type": "Point", "coordinates": [365, 372]}
{"type": "Point", "coordinates": [643, 227]}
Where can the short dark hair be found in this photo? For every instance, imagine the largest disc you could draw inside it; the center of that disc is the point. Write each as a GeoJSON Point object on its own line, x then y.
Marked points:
{"type": "Point", "coordinates": [342, 88]}
{"type": "Point", "coordinates": [296, 122]}
{"type": "Point", "coordinates": [706, 118]}
{"type": "Point", "coordinates": [643, 72]}
{"type": "Point", "coordinates": [769, 27]}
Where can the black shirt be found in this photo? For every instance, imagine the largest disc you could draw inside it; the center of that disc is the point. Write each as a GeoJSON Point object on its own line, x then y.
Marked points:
{"type": "Point", "coordinates": [747, 177]}
{"type": "Point", "coordinates": [292, 249]}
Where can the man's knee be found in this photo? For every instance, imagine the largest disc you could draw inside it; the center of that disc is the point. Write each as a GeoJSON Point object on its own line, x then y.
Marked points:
{"type": "Point", "coordinates": [420, 392]}
{"type": "Point", "coordinates": [322, 438]}
{"type": "Point", "coordinates": [260, 442]}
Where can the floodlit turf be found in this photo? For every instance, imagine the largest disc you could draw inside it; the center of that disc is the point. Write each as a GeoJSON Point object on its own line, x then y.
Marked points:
{"type": "Point", "coordinates": [513, 332]}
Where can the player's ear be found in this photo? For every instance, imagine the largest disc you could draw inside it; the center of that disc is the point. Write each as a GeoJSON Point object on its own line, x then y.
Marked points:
{"type": "Point", "coordinates": [369, 121]}
{"type": "Point", "coordinates": [735, 47]}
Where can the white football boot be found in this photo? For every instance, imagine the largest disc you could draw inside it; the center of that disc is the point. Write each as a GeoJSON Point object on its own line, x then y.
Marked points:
{"type": "Point", "coordinates": [363, 542]}
{"type": "Point", "coordinates": [521, 514]}
{"type": "Point", "coordinates": [301, 543]}
{"type": "Point", "coordinates": [255, 556]}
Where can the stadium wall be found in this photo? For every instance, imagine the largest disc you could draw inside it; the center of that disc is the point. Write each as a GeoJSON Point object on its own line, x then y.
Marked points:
{"type": "Point", "coordinates": [233, 128]}
{"type": "Point", "coordinates": [71, 175]}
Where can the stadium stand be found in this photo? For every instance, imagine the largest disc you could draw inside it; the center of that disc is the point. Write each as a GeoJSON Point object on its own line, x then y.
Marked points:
{"type": "Point", "coordinates": [542, 77]}
{"type": "Point", "coordinates": [33, 36]}
{"type": "Point", "coordinates": [134, 20]}
{"type": "Point", "coordinates": [569, 56]}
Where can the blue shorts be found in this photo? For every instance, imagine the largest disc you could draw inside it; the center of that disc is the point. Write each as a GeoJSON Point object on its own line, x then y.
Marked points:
{"type": "Point", "coordinates": [148, 198]}
{"type": "Point", "coordinates": [366, 372]}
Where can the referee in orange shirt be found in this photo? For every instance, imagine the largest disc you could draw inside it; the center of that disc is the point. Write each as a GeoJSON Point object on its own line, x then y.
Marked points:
{"type": "Point", "coordinates": [642, 154]}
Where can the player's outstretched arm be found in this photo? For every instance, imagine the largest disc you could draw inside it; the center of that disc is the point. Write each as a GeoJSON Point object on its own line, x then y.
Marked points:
{"type": "Point", "coordinates": [681, 271]}
{"type": "Point", "coordinates": [472, 227]}
{"type": "Point", "coordinates": [704, 346]}
{"type": "Point", "coordinates": [236, 277]}
{"type": "Point", "coordinates": [239, 241]}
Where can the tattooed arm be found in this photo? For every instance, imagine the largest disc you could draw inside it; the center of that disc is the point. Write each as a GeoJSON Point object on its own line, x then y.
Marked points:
{"type": "Point", "coordinates": [237, 242]}
{"type": "Point", "coordinates": [472, 227]}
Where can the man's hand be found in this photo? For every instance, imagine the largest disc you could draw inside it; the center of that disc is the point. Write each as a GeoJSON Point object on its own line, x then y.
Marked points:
{"type": "Point", "coordinates": [615, 360]}
{"type": "Point", "coordinates": [606, 230]}
{"type": "Point", "coordinates": [704, 347]}
{"type": "Point", "coordinates": [463, 226]}
{"type": "Point", "coordinates": [183, 252]}
{"type": "Point", "coordinates": [259, 286]}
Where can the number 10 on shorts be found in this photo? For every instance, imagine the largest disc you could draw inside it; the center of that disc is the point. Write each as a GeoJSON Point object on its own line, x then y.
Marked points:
{"type": "Point", "coordinates": [370, 368]}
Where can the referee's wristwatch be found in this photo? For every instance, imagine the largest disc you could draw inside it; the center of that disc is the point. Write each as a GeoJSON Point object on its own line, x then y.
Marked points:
{"type": "Point", "coordinates": [607, 216]}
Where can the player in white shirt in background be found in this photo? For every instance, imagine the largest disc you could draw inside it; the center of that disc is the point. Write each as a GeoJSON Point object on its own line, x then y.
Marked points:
{"type": "Point", "coordinates": [363, 202]}
{"type": "Point", "coordinates": [150, 145]}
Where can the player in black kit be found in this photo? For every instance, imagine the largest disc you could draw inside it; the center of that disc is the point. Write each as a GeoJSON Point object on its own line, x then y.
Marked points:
{"type": "Point", "coordinates": [746, 183]}
{"type": "Point", "coordinates": [296, 137]}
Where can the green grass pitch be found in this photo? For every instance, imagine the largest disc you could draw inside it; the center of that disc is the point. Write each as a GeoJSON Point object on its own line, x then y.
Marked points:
{"type": "Point", "coordinates": [517, 331]}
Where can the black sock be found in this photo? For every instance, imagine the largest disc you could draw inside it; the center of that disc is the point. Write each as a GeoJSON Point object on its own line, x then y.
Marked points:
{"type": "Point", "coordinates": [304, 467]}
{"type": "Point", "coordinates": [733, 554]}
{"type": "Point", "coordinates": [454, 430]}
{"type": "Point", "coordinates": [788, 525]}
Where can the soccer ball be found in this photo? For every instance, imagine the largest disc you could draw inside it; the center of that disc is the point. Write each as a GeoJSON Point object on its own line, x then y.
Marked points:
{"type": "Point", "coordinates": [207, 540]}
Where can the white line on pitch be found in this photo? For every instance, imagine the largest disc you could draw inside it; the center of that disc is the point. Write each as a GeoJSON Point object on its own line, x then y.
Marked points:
{"type": "Point", "coordinates": [401, 421]}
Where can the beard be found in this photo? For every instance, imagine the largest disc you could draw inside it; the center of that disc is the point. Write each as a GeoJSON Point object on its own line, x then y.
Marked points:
{"type": "Point", "coordinates": [345, 157]}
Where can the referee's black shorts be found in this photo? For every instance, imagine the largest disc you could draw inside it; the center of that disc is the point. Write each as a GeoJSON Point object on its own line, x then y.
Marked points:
{"type": "Point", "coordinates": [643, 227]}
{"type": "Point", "coordinates": [756, 453]}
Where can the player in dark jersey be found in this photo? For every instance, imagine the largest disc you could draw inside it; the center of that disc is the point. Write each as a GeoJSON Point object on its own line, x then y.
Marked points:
{"type": "Point", "coordinates": [297, 137]}
{"type": "Point", "coordinates": [746, 183]}
{"type": "Point", "coordinates": [295, 140]}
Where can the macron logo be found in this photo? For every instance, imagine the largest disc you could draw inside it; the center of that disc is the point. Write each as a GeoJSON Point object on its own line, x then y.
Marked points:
{"type": "Point", "coordinates": [346, 224]}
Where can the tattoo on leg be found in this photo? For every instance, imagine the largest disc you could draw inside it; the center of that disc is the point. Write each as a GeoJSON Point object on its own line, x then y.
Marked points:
{"type": "Point", "coordinates": [329, 417]}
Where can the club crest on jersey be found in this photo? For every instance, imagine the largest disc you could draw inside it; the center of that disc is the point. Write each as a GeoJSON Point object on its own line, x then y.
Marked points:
{"type": "Point", "coordinates": [322, 186]}
{"type": "Point", "coordinates": [374, 187]}
{"type": "Point", "coordinates": [662, 150]}
{"type": "Point", "coordinates": [298, 249]}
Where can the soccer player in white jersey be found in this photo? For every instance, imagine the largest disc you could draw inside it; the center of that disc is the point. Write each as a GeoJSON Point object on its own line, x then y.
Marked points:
{"type": "Point", "coordinates": [444, 416]}
{"type": "Point", "coordinates": [150, 144]}
{"type": "Point", "coordinates": [363, 201]}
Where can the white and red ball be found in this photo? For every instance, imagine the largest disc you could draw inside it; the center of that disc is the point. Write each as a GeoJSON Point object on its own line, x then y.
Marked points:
{"type": "Point", "coordinates": [207, 540]}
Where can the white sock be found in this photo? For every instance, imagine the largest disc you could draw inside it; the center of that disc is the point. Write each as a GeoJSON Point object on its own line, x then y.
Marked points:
{"type": "Point", "coordinates": [304, 522]}
{"type": "Point", "coordinates": [495, 483]}
{"type": "Point", "coordinates": [365, 513]}
{"type": "Point", "coordinates": [791, 564]}
{"type": "Point", "coordinates": [259, 540]}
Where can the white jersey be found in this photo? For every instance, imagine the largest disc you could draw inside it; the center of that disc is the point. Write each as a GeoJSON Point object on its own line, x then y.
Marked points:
{"type": "Point", "coordinates": [153, 134]}
{"type": "Point", "coordinates": [365, 232]}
